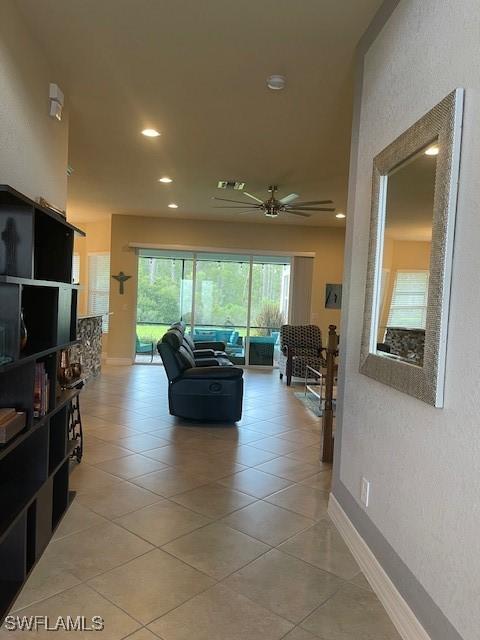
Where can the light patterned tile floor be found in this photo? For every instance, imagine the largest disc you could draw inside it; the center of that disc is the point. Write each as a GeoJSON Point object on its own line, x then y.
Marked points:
{"type": "Point", "coordinates": [215, 532]}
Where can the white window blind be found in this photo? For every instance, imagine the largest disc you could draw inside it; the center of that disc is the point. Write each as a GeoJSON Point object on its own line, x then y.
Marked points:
{"type": "Point", "coordinates": [99, 285]}
{"type": "Point", "coordinates": [76, 268]}
{"type": "Point", "coordinates": [409, 300]}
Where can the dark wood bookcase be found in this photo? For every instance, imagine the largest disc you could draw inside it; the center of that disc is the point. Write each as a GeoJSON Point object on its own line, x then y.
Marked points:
{"type": "Point", "coordinates": [36, 250]}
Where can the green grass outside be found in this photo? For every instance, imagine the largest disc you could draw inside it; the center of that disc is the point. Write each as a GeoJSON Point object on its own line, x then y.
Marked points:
{"type": "Point", "coordinates": [151, 332]}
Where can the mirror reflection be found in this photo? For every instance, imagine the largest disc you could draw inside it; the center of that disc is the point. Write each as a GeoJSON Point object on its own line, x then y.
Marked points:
{"type": "Point", "coordinates": [403, 286]}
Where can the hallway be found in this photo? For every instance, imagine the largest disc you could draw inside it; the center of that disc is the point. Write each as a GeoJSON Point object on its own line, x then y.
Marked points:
{"type": "Point", "coordinates": [184, 532]}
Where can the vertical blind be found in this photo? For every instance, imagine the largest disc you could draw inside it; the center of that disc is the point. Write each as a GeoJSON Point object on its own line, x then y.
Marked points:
{"type": "Point", "coordinates": [99, 285]}
{"type": "Point", "coordinates": [301, 289]}
{"type": "Point", "coordinates": [408, 308]}
{"type": "Point", "coordinates": [76, 268]}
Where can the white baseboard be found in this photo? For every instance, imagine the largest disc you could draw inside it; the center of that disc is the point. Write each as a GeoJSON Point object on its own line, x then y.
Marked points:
{"type": "Point", "coordinates": [396, 607]}
{"type": "Point", "coordinates": [119, 361]}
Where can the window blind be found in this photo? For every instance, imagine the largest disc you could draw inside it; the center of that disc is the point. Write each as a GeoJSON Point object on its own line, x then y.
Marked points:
{"type": "Point", "coordinates": [409, 300]}
{"type": "Point", "coordinates": [76, 268]}
{"type": "Point", "coordinates": [99, 285]}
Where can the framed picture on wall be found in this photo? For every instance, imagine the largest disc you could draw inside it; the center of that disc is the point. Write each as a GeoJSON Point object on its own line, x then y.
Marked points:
{"type": "Point", "coordinates": [333, 296]}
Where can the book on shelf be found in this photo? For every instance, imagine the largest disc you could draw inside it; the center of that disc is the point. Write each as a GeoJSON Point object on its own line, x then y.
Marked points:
{"type": "Point", "coordinates": [42, 391]}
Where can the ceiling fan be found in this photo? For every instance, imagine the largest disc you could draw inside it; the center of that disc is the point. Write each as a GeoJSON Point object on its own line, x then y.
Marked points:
{"type": "Point", "coordinates": [272, 206]}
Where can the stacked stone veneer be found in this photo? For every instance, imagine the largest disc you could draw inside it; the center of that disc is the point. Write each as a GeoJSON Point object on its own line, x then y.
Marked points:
{"type": "Point", "coordinates": [89, 332]}
{"type": "Point", "coordinates": [407, 343]}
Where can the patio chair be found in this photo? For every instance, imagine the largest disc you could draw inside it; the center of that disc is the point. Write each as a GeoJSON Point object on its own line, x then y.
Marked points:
{"type": "Point", "coordinates": [144, 347]}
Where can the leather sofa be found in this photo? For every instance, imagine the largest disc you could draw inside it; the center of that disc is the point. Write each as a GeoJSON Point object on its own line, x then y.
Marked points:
{"type": "Point", "coordinates": [202, 350]}
{"type": "Point", "coordinates": [203, 387]}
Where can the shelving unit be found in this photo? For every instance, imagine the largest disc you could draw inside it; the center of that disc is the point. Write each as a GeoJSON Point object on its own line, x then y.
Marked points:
{"type": "Point", "coordinates": [36, 249]}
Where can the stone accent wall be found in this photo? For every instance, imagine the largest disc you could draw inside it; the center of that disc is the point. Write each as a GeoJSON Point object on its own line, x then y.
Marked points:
{"type": "Point", "coordinates": [89, 332]}
{"type": "Point", "coordinates": [407, 343]}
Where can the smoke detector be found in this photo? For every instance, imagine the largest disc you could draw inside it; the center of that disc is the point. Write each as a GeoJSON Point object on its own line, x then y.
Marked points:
{"type": "Point", "coordinates": [276, 82]}
{"type": "Point", "coordinates": [231, 184]}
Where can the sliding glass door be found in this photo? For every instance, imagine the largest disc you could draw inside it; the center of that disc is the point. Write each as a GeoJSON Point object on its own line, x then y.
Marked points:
{"type": "Point", "coordinates": [240, 300]}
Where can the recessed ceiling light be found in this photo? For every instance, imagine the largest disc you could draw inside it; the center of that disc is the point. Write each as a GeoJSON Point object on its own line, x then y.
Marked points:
{"type": "Point", "coordinates": [434, 150]}
{"type": "Point", "coordinates": [165, 180]}
{"type": "Point", "coordinates": [340, 215]}
{"type": "Point", "coordinates": [172, 205]}
{"type": "Point", "coordinates": [276, 82]}
{"type": "Point", "coordinates": [151, 133]}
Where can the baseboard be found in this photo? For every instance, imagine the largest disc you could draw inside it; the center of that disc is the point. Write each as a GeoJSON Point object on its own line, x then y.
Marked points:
{"type": "Point", "coordinates": [396, 607]}
{"type": "Point", "coordinates": [119, 361]}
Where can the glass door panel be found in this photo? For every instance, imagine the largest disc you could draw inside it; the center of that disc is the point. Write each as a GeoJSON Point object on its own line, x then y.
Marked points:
{"type": "Point", "coordinates": [269, 307]}
{"type": "Point", "coordinates": [221, 302]}
{"type": "Point", "coordinates": [164, 296]}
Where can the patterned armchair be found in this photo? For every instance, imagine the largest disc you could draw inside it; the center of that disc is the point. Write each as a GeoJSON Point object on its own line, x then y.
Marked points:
{"type": "Point", "coordinates": [299, 346]}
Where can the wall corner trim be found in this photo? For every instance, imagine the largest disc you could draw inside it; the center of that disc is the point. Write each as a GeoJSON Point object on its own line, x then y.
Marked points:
{"type": "Point", "coordinates": [119, 361]}
{"type": "Point", "coordinates": [396, 607]}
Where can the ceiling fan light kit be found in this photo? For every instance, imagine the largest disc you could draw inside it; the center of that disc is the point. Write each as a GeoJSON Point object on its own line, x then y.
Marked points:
{"type": "Point", "coordinates": [272, 207]}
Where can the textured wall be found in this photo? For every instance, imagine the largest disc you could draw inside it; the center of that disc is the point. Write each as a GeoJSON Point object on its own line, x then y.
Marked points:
{"type": "Point", "coordinates": [423, 463]}
{"type": "Point", "coordinates": [327, 242]}
{"type": "Point", "coordinates": [33, 146]}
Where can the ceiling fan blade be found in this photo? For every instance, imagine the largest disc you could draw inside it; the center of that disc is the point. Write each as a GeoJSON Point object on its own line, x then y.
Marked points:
{"type": "Point", "coordinates": [253, 197]}
{"type": "Point", "coordinates": [288, 209]}
{"type": "Point", "coordinates": [289, 198]}
{"type": "Point", "coordinates": [227, 200]}
{"type": "Point", "coordinates": [302, 204]}
{"type": "Point", "coordinates": [247, 205]}
{"type": "Point", "coordinates": [298, 213]}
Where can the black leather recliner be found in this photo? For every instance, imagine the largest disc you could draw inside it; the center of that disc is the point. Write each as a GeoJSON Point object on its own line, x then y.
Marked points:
{"type": "Point", "coordinates": [206, 389]}
{"type": "Point", "coordinates": [201, 350]}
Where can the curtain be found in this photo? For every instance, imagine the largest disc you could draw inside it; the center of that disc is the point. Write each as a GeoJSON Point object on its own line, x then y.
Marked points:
{"type": "Point", "coordinates": [301, 290]}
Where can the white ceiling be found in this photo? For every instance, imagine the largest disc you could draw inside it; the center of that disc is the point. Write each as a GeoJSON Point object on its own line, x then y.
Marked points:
{"type": "Point", "coordinates": [196, 71]}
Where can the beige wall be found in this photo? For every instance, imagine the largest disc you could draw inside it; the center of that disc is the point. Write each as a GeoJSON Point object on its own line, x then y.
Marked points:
{"type": "Point", "coordinates": [325, 241]}
{"type": "Point", "coordinates": [33, 146]}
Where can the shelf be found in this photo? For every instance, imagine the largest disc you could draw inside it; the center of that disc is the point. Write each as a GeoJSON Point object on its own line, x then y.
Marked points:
{"type": "Point", "coordinates": [57, 442]}
{"type": "Point", "coordinates": [37, 283]}
{"type": "Point", "coordinates": [64, 399]}
{"type": "Point", "coordinates": [60, 494]}
{"type": "Point", "coordinates": [40, 311]}
{"type": "Point", "coordinates": [23, 473]}
{"type": "Point", "coordinates": [36, 278]}
{"type": "Point", "coordinates": [52, 248]}
{"type": "Point", "coordinates": [36, 356]}
{"type": "Point", "coordinates": [11, 196]}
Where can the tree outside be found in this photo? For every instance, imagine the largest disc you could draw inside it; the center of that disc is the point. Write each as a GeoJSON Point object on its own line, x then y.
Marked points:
{"type": "Point", "coordinates": [221, 298]}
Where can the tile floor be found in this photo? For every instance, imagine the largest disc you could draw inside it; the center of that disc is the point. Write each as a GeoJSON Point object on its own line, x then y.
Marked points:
{"type": "Point", "coordinates": [187, 532]}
